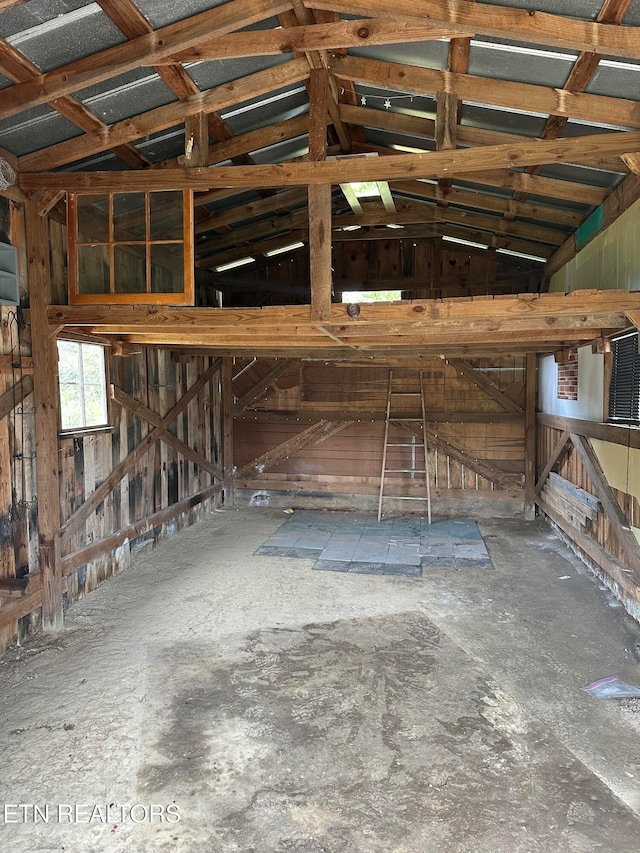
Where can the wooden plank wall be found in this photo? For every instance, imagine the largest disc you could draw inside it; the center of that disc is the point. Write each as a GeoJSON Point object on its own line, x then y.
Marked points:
{"type": "Point", "coordinates": [163, 477]}
{"type": "Point", "coordinates": [572, 469]}
{"type": "Point", "coordinates": [349, 462]}
{"type": "Point", "coordinates": [422, 268]}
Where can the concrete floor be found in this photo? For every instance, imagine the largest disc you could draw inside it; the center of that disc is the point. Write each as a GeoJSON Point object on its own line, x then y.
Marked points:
{"type": "Point", "coordinates": [283, 709]}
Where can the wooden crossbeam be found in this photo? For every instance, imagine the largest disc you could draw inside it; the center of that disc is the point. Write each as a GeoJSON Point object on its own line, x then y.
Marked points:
{"type": "Point", "coordinates": [262, 385]}
{"type": "Point", "coordinates": [13, 396]}
{"type": "Point", "coordinates": [145, 413]}
{"type": "Point", "coordinates": [559, 451]}
{"type": "Point", "coordinates": [620, 112]}
{"type": "Point", "coordinates": [432, 164]}
{"type": "Point", "coordinates": [314, 434]}
{"type": "Point", "coordinates": [503, 22]}
{"type": "Point", "coordinates": [83, 512]}
{"type": "Point", "coordinates": [490, 389]}
{"type": "Point", "coordinates": [145, 49]}
{"type": "Point", "coordinates": [478, 466]}
{"type": "Point", "coordinates": [424, 128]}
{"type": "Point", "coordinates": [617, 519]}
{"type": "Point", "coordinates": [130, 129]}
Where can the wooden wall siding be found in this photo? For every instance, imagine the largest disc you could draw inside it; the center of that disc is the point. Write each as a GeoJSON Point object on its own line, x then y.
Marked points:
{"type": "Point", "coordinates": [572, 469]}
{"type": "Point", "coordinates": [163, 477]}
{"type": "Point", "coordinates": [420, 268]}
{"type": "Point", "coordinates": [350, 461]}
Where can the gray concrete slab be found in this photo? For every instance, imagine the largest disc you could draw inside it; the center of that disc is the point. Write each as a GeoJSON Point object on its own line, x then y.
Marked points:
{"type": "Point", "coordinates": [281, 709]}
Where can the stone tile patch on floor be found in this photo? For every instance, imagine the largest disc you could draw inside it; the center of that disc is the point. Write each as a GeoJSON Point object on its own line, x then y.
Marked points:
{"type": "Point", "coordinates": [405, 545]}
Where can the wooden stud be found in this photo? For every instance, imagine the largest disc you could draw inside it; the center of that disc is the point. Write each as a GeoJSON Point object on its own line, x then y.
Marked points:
{"type": "Point", "coordinates": [226, 389]}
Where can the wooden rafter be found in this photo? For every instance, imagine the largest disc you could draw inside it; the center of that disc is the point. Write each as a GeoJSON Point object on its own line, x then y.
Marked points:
{"type": "Point", "coordinates": [501, 22]}
{"type": "Point", "coordinates": [503, 93]}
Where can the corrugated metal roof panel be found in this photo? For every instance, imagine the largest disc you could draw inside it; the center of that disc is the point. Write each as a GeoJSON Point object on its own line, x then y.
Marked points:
{"type": "Point", "coordinates": [519, 64]}
{"type": "Point", "coordinates": [617, 79]}
{"type": "Point", "coordinates": [160, 13]}
{"type": "Point", "coordinates": [36, 12]}
{"type": "Point", "coordinates": [582, 174]}
{"type": "Point", "coordinates": [68, 37]}
{"type": "Point", "coordinates": [217, 72]}
{"type": "Point", "coordinates": [585, 9]}
{"type": "Point", "coordinates": [287, 150]}
{"type": "Point", "coordinates": [33, 129]}
{"type": "Point", "coordinates": [426, 54]}
{"type": "Point", "coordinates": [281, 104]}
{"type": "Point", "coordinates": [127, 95]}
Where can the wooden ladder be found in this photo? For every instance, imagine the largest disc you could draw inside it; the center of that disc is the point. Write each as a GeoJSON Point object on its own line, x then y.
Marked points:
{"type": "Point", "coordinates": [389, 419]}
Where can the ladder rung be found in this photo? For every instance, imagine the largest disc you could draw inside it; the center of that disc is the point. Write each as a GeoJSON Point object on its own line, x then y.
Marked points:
{"type": "Point", "coordinates": [404, 471]}
{"type": "Point", "coordinates": [406, 393]}
{"type": "Point", "coordinates": [397, 420]}
{"type": "Point", "coordinates": [405, 444]}
{"type": "Point", "coordinates": [405, 497]}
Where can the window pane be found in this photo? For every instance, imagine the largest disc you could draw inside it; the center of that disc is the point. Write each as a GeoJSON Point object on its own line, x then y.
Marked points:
{"type": "Point", "coordinates": [129, 269]}
{"type": "Point", "coordinates": [167, 268]}
{"type": "Point", "coordinates": [93, 269]}
{"type": "Point", "coordinates": [129, 216]}
{"type": "Point", "coordinates": [83, 390]}
{"type": "Point", "coordinates": [166, 215]}
{"type": "Point", "coordinates": [93, 218]}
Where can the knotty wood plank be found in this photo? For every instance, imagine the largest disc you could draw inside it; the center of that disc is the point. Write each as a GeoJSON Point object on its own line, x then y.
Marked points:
{"type": "Point", "coordinates": [618, 520]}
{"type": "Point", "coordinates": [13, 396]}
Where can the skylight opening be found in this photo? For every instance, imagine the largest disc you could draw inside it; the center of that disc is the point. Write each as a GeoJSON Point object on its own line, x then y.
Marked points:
{"type": "Point", "coordinates": [365, 189]}
{"type": "Point", "coordinates": [233, 264]}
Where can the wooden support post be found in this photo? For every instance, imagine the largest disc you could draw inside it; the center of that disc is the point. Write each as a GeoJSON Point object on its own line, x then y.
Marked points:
{"type": "Point", "coordinates": [45, 388]}
{"type": "Point", "coordinates": [319, 201]}
{"type": "Point", "coordinates": [531, 379]}
{"type": "Point", "coordinates": [196, 141]}
{"type": "Point", "coordinates": [226, 386]}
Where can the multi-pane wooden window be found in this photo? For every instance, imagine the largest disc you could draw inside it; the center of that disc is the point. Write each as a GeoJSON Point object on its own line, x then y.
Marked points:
{"type": "Point", "coordinates": [132, 247]}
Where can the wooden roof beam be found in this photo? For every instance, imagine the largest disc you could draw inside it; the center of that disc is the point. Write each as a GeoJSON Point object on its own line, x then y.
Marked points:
{"type": "Point", "coordinates": [144, 49]}
{"type": "Point", "coordinates": [432, 164]}
{"type": "Point", "coordinates": [501, 22]}
{"type": "Point", "coordinates": [128, 130]}
{"type": "Point", "coordinates": [502, 93]}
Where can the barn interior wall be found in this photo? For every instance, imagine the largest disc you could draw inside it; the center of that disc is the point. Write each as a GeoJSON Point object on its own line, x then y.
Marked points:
{"type": "Point", "coordinates": [173, 482]}
{"type": "Point", "coordinates": [589, 405]}
{"type": "Point", "coordinates": [470, 436]}
{"type": "Point", "coordinates": [609, 261]}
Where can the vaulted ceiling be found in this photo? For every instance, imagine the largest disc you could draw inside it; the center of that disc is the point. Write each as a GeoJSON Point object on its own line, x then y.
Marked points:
{"type": "Point", "coordinates": [511, 128]}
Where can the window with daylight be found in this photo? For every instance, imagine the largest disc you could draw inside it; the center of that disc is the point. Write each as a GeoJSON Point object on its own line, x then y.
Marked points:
{"type": "Point", "coordinates": [624, 390]}
{"type": "Point", "coordinates": [83, 385]}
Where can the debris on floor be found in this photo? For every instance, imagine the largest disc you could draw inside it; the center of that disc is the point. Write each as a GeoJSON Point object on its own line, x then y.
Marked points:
{"type": "Point", "coordinates": [612, 688]}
